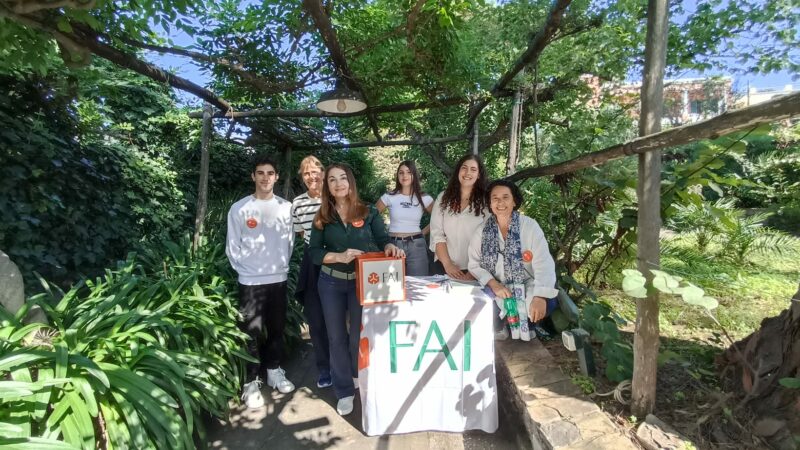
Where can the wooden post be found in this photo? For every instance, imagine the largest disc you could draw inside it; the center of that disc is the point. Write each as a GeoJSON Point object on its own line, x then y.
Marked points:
{"type": "Point", "coordinates": [475, 134]}
{"type": "Point", "coordinates": [645, 339]}
{"type": "Point", "coordinates": [202, 185]}
{"type": "Point", "coordinates": [287, 170]}
{"type": "Point", "coordinates": [515, 127]}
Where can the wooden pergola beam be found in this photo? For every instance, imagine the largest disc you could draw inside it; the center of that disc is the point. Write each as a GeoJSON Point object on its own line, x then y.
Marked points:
{"type": "Point", "coordinates": [323, 23]}
{"type": "Point", "coordinates": [399, 107]}
{"type": "Point", "coordinates": [773, 110]}
{"type": "Point", "coordinates": [332, 145]}
{"type": "Point", "coordinates": [543, 95]}
{"type": "Point", "coordinates": [536, 45]}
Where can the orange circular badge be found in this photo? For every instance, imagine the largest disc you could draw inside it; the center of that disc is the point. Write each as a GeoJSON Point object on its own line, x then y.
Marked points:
{"type": "Point", "coordinates": [251, 223]}
{"type": "Point", "coordinates": [358, 223]}
{"type": "Point", "coordinates": [527, 256]}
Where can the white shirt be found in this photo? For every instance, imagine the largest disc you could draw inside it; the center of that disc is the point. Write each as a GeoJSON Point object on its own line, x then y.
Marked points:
{"type": "Point", "coordinates": [455, 230]}
{"type": "Point", "coordinates": [260, 239]}
{"type": "Point", "coordinates": [405, 212]}
{"type": "Point", "coordinates": [540, 270]}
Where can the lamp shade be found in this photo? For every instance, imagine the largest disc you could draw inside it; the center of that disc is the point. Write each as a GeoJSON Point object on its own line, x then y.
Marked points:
{"type": "Point", "coordinates": [341, 100]}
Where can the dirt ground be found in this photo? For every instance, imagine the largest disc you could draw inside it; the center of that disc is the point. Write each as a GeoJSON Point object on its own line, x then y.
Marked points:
{"type": "Point", "coordinates": [688, 398]}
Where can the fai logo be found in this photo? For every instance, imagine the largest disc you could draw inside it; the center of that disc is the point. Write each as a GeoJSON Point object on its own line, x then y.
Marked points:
{"type": "Point", "coordinates": [373, 278]}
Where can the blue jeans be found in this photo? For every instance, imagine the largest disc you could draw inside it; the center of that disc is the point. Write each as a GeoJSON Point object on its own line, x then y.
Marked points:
{"type": "Point", "coordinates": [416, 256]}
{"type": "Point", "coordinates": [338, 298]}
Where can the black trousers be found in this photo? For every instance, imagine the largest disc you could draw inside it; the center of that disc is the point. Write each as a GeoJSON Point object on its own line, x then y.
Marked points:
{"type": "Point", "coordinates": [263, 307]}
{"type": "Point", "coordinates": [308, 295]}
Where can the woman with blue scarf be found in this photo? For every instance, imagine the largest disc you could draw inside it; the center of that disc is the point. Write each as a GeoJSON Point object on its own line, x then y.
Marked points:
{"type": "Point", "coordinates": [511, 257]}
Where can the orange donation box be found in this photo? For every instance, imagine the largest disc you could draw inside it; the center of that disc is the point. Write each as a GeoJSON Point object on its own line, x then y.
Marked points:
{"type": "Point", "coordinates": [380, 278]}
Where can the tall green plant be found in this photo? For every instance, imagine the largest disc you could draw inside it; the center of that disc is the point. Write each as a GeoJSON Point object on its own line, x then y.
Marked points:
{"type": "Point", "coordinates": [130, 360]}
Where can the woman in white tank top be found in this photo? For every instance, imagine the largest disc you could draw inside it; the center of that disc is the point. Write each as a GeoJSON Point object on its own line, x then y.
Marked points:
{"type": "Point", "coordinates": [406, 204]}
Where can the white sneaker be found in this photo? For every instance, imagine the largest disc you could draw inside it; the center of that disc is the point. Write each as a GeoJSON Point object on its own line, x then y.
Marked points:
{"type": "Point", "coordinates": [251, 394]}
{"type": "Point", "coordinates": [276, 378]}
{"type": "Point", "coordinates": [345, 405]}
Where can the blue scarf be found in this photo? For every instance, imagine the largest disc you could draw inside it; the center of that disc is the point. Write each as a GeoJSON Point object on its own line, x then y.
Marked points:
{"type": "Point", "coordinates": [512, 256]}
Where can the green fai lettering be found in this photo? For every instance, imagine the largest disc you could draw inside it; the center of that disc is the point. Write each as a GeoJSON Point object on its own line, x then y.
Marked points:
{"type": "Point", "coordinates": [393, 342]}
{"type": "Point", "coordinates": [467, 345]}
{"type": "Point", "coordinates": [443, 347]}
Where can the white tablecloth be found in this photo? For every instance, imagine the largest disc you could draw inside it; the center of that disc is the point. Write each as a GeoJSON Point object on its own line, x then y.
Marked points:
{"type": "Point", "coordinates": [430, 362]}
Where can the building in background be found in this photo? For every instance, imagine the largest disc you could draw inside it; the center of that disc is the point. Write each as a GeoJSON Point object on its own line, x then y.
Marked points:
{"type": "Point", "coordinates": [685, 101]}
{"type": "Point", "coordinates": [754, 96]}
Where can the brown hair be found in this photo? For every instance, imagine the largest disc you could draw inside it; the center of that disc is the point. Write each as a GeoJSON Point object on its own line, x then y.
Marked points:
{"type": "Point", "coordinates": [451, 199]}
{"type": "Point", "coordinates": [327, 211]}
{"type": "Point", "coordinates": [416, 189]}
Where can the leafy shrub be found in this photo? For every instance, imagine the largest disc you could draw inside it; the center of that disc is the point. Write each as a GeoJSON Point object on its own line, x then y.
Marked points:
{"type": "Point", "coordinates": [704, 220]}
{"type": "Point", "coordinates": [130, 360]}
{"type": "Point", "coordinates": [746, 236]}
{"type": "Point", "coordinates": [603, 325]}
{"type": "Point", "coordinates": [67, 206]}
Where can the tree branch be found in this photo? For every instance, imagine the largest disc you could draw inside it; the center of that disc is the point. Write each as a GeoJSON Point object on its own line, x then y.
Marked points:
{"type": "Point", "coordinates": [535, 47]}
{"type": "Point", "coordinates": [28, 6]}
{"type": "Point", "coordinates": [436, 152]}
{"type": "Point", "coordinates": [773, 110]}
{"type": "Point", "coordinates": [75, 42]}
{"type": "Point", "coordinates": [323, 23]}
{"type": "Point", "coordinates": [263, 85]}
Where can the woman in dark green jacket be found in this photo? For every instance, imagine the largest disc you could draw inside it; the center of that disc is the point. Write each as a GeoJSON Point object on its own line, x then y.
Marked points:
{"type": "Point", "coordinates": [344, 228]}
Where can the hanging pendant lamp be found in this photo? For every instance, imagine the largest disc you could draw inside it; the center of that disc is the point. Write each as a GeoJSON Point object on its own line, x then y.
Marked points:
{"type": "Point", "coordinates": [341, 100]}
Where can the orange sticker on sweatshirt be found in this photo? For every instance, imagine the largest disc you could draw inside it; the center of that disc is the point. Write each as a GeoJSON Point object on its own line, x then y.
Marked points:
{"type": "Point", "coordinates": [527, 256]}
{"type": "Point", "coordinates": [251, 223]}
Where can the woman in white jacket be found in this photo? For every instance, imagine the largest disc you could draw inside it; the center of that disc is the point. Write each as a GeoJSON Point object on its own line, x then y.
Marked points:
{"type": "Point", "coordinates": [510, 254]}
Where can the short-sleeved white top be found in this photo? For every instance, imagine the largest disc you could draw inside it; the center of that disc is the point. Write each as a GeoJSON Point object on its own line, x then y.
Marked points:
{"type": "Point", "coordinates": [405, 212]}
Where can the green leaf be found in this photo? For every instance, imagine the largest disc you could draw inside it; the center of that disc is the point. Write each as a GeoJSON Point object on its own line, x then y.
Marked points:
{"type": "Point", "coordinates": [63, 25]}
{"type": "Point", "coordinates": [665, 282]}
{"type": "Point", "coordinates": [791, 383]}
{"type": "Point", "coordinates": [62, 360]}
{"type": "Point", "coordinates": [634, 284]}
{"type": "Point", "coordinates": [8, 429]}
{"type": "Point", "coordinates": [15, 389]}
{"type": "Point", "coordinates": [87, 393]}
{"type": "Point", "coordinates": [82, 420]}
{"type": "Point", "coordinates": [34, 443]}
{"type": "Point", "coordinates": [22, 357]}
{"type": "Point", "coordinates": [694, 295]}
{"type": "Point", "coordinates": [25, 331]}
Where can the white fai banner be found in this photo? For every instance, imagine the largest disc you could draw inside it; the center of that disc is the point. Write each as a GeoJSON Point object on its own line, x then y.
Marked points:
{"type": "Point", "coordinates": [428, 363]}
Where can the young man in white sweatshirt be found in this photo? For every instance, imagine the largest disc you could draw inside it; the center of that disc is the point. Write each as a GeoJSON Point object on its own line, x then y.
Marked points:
{"type": "Point", "coordinates": [259, 246]}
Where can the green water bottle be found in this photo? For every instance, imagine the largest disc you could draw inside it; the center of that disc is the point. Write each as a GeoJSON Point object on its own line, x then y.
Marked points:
{"type": "Point", "coordinates": [512, 315]}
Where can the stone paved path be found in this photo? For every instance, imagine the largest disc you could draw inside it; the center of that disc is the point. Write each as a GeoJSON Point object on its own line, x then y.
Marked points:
{"type": "Point", "coordinates": [307, 419]}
